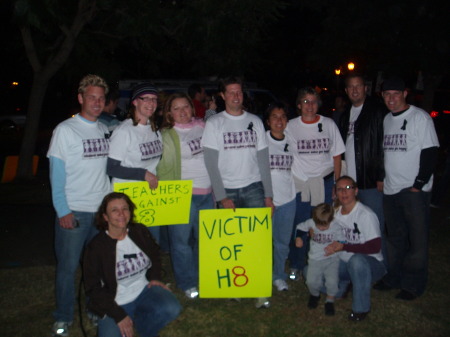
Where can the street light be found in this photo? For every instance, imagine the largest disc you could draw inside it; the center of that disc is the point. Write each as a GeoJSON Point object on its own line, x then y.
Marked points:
{"type": "Point", "coordinates": [351, 66]}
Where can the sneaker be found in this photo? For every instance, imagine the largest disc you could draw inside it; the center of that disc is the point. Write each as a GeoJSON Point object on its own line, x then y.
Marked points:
{"type": "Point", "coordinates": [313, 301]}
{"type": "Point", "coordinates": [382, 286]}
{"type": "Point", "coordinates": [294, 274]}
{"type": "Point", "coordinates": [357, 316]}
{"type": "Point", "coordinates": [329, 309]}
{"type": "Point", "coordinates": [191, 293]}
{"type": "Point", "coordinates": [262, 302]}
{"type": "Point", "coordinates": [405, 295]}
{"type": "Point", "coordinates": [281, 285]}
{"type": "Point", "coordinates": [60, 329]}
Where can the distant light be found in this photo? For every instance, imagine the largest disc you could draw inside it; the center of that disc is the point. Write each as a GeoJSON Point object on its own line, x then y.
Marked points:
{"type": "Point", "coordinates": [325, 89]}
{"type": "Point", "coordinates": [434, 114]}
{"type": "Point", "coordinates": [14, 84]}
{"type": "Point", "coordinates": [351, 66]}
{"type": "Point", "coordinates": [337, 71]}
{"type": "Point", "coordinates": [446, 111]}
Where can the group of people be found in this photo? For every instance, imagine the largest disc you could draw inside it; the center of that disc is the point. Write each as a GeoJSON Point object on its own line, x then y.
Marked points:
{"type": "Point", "coordinates": [238, 160]}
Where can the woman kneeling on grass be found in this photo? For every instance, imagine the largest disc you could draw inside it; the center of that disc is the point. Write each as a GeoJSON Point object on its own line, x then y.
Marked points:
{"type": "Point", "coordinates": [121, 272]}
{"type": "Point", "coordinates": [361, 258]}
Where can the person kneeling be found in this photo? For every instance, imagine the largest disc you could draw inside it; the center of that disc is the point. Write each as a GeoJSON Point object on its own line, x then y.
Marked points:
{"type": "Point", "coordinates": [121, 274]}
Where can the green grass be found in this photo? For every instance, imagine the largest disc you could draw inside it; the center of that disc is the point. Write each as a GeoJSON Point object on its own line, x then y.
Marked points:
{"type": "Point", "coordinates": [26, 302]}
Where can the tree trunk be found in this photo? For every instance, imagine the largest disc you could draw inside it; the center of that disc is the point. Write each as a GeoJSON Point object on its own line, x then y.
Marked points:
{"type": "Point", "coordinates": [28, 146]}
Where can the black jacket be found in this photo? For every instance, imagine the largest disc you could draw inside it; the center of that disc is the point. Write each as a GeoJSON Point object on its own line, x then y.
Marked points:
{"type": "Point", "coordinates": [368, 138]}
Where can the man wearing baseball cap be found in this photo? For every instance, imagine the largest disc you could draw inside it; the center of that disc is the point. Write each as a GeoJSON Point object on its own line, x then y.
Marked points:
{"type": "Point", "coordinates": [410, 153]}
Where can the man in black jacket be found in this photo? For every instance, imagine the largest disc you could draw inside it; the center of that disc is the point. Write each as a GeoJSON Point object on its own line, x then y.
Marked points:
{"type": "Point", "coordinates": [361, 127]}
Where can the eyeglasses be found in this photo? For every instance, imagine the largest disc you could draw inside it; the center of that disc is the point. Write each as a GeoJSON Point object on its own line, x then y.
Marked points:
{"type": "Point", "coordinates": [149, 99]}
{"type": "Point", "coordinates": [345, 188]}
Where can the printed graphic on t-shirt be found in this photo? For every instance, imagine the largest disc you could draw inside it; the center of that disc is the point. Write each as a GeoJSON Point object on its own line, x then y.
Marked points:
{"type": "Point", "coordinates": [313, 146]}
{"type": "Point", "coordinates": [353, 236]}
{"type": "Point", "coordinates": [195, 146]}
{"type": "Point", "coordinates": [150, 150]}
{"type": "Point", "coordinates": [128, 267]}
{"type": "Point", "coordinates": [240, 139]}
{"type": "Point", "coordinates": [281, 162]}
{"type": "Point", "coordinates": [395, 143]}
{"type": "Point", "coordinates": [351, 128]}
{"type": "Point", "coordinates": [323, 238]}
{"type": "Point", "coordinates": [94, 148]}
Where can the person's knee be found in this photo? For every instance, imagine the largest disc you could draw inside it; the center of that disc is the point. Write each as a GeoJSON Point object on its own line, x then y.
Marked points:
{"type": "Point", "coordinates": [357, 263]}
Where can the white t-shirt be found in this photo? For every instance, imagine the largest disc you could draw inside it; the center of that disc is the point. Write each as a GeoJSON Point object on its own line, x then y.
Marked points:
{"type": "Point", "coordinates": [238, 139]}
{"type": "Point", "coordinates": [135, 146]}
{"type": "Point", "coordinates": [83, 147]}
{"type": "Point", "coordinates": [315, 146]}
{"type": "Point", "coordinates": [280, 152]}
{"type": "Point", "coordinates": [360, 225]}
{"type": "Point", "coordinates": [350, 142]}
{"type": "Point", "coordinates": [131, 266]}
{"type": "Point", "coordinates": [405, 136]}
{"type": "Point", "coordinates": [321, 239]}
{"type": "Point", "coordinates": [192, 160]}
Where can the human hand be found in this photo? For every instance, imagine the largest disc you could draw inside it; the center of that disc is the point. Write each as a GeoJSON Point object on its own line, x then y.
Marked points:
{"type": "Point", "coordinates": [151, 179]}
{"type": "Point", "coordinates": [269, 203]}
{"type": "Point", "coordinates": [228, 203]}
{"type": "Point", "coordinates": [298, 242]}
{"type": "Point", "coordinates": [126, 327]}
{"type": "Point", "coordinates": [415, 190]}
{"type": "Point", "coordinates": [333, 248]}
{"type": "Point", "coordinates": [156, 283]}
{"type": "Point", "coordinates": [380, 186]}
{"type": "Point", "coordinates": [67, 221]}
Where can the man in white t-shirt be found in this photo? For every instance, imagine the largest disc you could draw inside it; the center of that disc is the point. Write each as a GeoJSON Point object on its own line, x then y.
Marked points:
{"type": "Point", "coordinates": [236, 155]}
{"type": "Point", "coordinates": [78, 152]}
{"type": "Point", "coordinates": [410, 155]}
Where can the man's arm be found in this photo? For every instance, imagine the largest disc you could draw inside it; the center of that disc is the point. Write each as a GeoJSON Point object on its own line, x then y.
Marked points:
{"type": "Point", "coordinates": [211, 157]}
{"type": "Point", "coordinates": [58, 184]}
{"type": "Point", "coordinates": [428, 159]}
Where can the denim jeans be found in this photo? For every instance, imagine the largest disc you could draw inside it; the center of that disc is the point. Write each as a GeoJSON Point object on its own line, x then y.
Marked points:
{"type": "Point", "coordinates": [251, 196]}
{"type": "Point", "coordinates": [184, 244]}
{"type": "Point", "coordinates": [155, 231]}
{"type": "Point", "coordinates": [362, 271]}
{"type": "Point", "coordinates": [374, 199]}
{"type": "Point", "coordinates": [151, 311]}
{"type": "Point", "coordinates": [407, 222]}
{"type": "Point", "coordinates": [69, 244]}
{"type": "Point", "coordinates": [283, 218]}
{"type": "Point", "coordinates": [297, 256]}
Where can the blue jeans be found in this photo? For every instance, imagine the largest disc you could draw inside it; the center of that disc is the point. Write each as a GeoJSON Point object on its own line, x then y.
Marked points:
{"type": "Point", "coordinates": [362, 271]}
{"type": "Point", "coordinates": [407, 222]}
{"type": "Point", "coordinates": [69, 244]}
{"type": "Point", "coordinates": [297, 256]}
{"type": "Point", "coordinates": [155, 231]}
{"type": "Point", "coordinates": [184, 244]}
{"type": "Point", "coordinates": [283, 218]}
{"type": "Point", "coordinates": [151, 311]}
{"type": "Point", "coordinates": [374, 199]}
{"type": "Point", "coordinates": [251, 196]}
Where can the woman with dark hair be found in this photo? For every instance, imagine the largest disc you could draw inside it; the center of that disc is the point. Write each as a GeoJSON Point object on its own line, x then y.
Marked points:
{"type": "Point", "coordinates": [280, 152]}
{"type": "Point", "coordinates": [136, 146]}
{"type": "Point", "coordinates": [317, 148]}
{"type": "Point", "coordinates": [182, 159]}
{"type": "Point", "coordinates": [122, 270]}
{"type": "Point", "coordinates": [361, 257]}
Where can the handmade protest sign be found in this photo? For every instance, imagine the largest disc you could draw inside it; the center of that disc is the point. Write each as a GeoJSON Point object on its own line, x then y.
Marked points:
{"type": "Point", "coordinates": [168, 204]}
{"type": "Point", "coordinates": [235, 253]}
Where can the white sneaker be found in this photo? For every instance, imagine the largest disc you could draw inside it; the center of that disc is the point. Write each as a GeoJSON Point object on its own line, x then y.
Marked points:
{"type": "Point", "coordinates": [60, 329]}
{"type": "Point", "coordinates": [262, 302]}
{"type": "Point", "coordinates": [281, 285]}
{"type": "Point", "coordinates": [294, 274]}
{"type": "Point", "coordinates": [191, 293]}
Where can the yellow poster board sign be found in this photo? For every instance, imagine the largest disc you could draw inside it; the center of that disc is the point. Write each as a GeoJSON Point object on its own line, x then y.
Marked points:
{"type": "Point", "coordinates": [168, 204]}
{"type": "Point", "coordinates": [235, 253]}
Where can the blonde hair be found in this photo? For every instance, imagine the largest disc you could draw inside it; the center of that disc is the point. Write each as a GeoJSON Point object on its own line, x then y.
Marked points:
{"type": "Point", "coordinates": [92, 80]}
{"type": "Point", "coordinates": [323, 214]}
